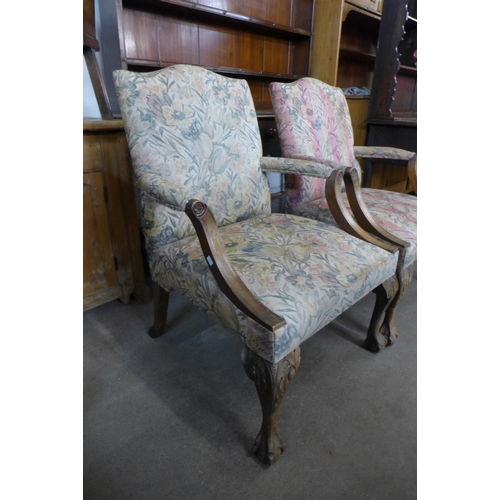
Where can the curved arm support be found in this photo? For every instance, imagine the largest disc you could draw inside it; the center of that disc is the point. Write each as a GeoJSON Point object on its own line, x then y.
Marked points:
{"type": "Point", "coordinates": [361, 212]}
{"type": "Point", "coordinates": [226, 277]}
{"type": "Point", "coordinates": [344, 219]}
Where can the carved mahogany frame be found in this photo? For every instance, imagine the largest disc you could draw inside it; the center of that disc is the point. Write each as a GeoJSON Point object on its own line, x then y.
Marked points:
{"type": "Point", "coordinates": [226, 277]}
{"type": "Point", "coordinates": [361, 212]}
{"type": "Point", "coordinates": [344, 219]}
{"type": "Point", "coordinates": [271, 379]}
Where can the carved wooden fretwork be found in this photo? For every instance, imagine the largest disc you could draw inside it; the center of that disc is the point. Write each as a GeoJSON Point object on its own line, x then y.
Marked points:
{"type": "Point", "coordinates": [271, 381]}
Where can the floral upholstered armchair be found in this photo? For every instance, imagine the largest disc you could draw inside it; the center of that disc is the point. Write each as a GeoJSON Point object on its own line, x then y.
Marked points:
{"type": "Point", "coordinates": [271, 279]}
{"type": "Point", "coordinates": [314, 124]}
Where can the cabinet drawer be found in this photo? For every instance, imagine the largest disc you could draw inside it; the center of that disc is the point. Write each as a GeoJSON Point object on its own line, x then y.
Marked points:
{"type": "Point", "coordinates": [373, 5]}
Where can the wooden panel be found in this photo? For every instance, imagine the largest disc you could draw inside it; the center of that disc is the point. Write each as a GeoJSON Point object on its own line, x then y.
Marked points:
{"type": "Point", "coordinates": [358, 109]}
{"type": "Point", "coordinates": [98, 265]}
{"type": "Point", "coordinates": [299, 57]}
{"type": "Point", "coordinates": [373, 5]}
{"type": "Point", "coordinates": [122, 216]}
{"type": "Point", "coordinates": [249, 51]}
{"type": "Point", "coordinates": [140, 35]}
{"type": "Point", "coordinates": [229, 5]}
{"type": "Point", "coordinates": [278, 11]}
{"type": "Point", "coordinates": [113, 263]}
{"type": "Point", "coordinates": [257, 90]}
{"type": "Point", "coordinates": [389, 177]}
{"type": "Point", "coordinates": [92, 159]}
{"type": "Point", "coordinates": [217, 46]}
{"type": "Point", "coordinates": [326, 40]}
{"type": "Point", "coordinates": [178, 41]}
{"type": "Point", "coordinates": [353, 73]}
{"type": "Point", "coordinates": [405, 95]}
{"type": "Point", "coordinates": [276, 55]}
{"type": "Point", "coordinates": [302, 14]}
{"type": "Point", "coordinates": [252, 8]}
{"type": "Point", "coordinates": [231, 48]}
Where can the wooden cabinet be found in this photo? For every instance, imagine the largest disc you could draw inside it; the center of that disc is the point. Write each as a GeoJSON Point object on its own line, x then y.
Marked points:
{"type": "Point", "coordinates": [392, 114]}
{"type": "Point", "coordinates": [261, 41]}
{"type": "Point", "coordinates": [112, 259]}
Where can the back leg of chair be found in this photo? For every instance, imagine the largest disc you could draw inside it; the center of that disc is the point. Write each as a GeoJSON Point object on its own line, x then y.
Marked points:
{"type": "Point", "coordinates": [271, 381]}
{"type": "Point", "coordinates": [160, 302]}
{"type": "Point", "coordinates": [386, 294]}
{"type": "Point", "coordinates": [388, 328]}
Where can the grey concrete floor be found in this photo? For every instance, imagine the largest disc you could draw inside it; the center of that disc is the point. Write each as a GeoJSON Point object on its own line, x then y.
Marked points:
{"type": "Point", "coordinates": [175, 418]}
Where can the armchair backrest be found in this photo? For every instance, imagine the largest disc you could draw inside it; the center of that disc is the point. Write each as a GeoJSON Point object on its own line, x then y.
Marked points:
{"type": "Point", "coordinates": [313, 120]}
{"type": "Point", "coordinates": [198, 131]}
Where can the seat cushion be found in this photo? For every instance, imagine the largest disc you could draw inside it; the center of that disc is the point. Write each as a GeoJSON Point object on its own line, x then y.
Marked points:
{"type": "Point", "coordinates": [306, 271]}
{"type": "Point", "coordinates": [395, 212]}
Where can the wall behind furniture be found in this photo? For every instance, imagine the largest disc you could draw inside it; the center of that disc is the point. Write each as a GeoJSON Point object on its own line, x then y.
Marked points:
{"type": "Point", "coordinates": [90, 106]}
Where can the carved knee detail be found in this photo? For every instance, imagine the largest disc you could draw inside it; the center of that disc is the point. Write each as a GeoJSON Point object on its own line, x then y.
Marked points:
{"type": "Point", "coordinates": [271, 381]}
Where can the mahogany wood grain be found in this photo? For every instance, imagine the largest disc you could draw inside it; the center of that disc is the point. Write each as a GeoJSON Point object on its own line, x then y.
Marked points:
{"type": "Point", "coordinates": [362, 213]}
{"type": "Point", "coordinates": [344, 219]}
{"type": "Point", "coordinates": [271, 381]}
{"type": "Point", "coordinates": [382, 322]}
{"type": "Point", "coordinates": [160, 305]}
{"type": "Point", "coordinates": [178, 40]}
{"type": "Point", "coordinates": [222, 270]}
{"type": "Point", "coordinates": [277, 55]}
{"type": "Point", "coordinates": [302, 14]}
{"type": "Point", "coordinates": [140, 35]}
{"type": "Point", "coordinates": [279, 11]}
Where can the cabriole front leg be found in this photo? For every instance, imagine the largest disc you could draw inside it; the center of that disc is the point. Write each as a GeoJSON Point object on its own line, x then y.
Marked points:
{"type": "Point", "coordinates": [271, 381]}
{"type": "Point", "coordinates": [388, 328]}
{"type": "Point", "coordinates": [386, 293]}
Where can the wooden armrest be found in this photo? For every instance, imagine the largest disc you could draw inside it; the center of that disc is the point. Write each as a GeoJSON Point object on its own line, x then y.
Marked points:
{"type": "Point", "coordinates": [226, 277]}
{"type": "Point", "coordinates": [361, 212]}
{"type": "Point", "coordinates": [346, 222]}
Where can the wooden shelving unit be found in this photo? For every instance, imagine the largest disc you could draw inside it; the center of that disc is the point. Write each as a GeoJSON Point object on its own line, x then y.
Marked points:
{"type": "Point", "coordinates": [256, 40]}
{"type": "Point", "coordinates": [392, 114]}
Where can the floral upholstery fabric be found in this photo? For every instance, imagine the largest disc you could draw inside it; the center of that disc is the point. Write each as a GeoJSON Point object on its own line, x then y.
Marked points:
{"type": "Point", "coordinates": [306, 271]}
{"type": "Point", "coordinates": [193, 134]}
{"type": "Point", "coordinates": [395, 212]}
{"type": "Point", "coordinates": [198, 131]}
{"type": "Point", "coordinates": [314, 123]}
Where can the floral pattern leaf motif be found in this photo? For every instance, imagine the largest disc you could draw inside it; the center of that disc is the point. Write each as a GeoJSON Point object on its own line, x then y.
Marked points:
{"type": "Point", "coordinates": [288, 263]}
{"type": "Point", "coordinates": [197, 130]}
{"type": "Point", "coordinates": [313, 121]}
